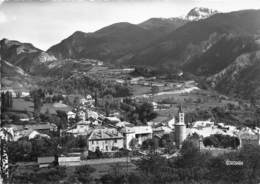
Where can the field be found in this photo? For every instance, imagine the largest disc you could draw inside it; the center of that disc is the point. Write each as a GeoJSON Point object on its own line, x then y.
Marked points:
{"type": "Point", "coordinates": [108, 168]}
{"type": "Point", "coordinates": [20, 104]}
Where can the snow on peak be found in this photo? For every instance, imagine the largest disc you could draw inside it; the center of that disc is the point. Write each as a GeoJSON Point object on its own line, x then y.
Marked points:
{"type": "Point", "coordinates": [200, 13]}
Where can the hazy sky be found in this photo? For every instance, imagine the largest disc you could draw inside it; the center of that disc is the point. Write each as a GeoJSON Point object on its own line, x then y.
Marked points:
{"type": "Point", "coordinates": [45, 24]}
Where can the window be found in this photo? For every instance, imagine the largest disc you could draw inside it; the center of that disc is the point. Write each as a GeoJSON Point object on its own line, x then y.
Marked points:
{"type": "Point", "coordinates": [93, 142]}
{"type": "Point", "coordinates": [115, 140]}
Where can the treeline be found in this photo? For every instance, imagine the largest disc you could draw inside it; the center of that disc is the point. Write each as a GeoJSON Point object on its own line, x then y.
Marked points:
{"type": "Point", "coordinates": [92, 85]}
{"type": "Point", "coordinates": [238, 116]}
{"type": "Point", "coordinates": [221, 141]}
{"type": "Point", "coordinates": [196, 167]}
{"type": "Point", "coordinates": [6, 101]}
{"type": "Point", "coordinates": [190, 166]}
{"type": "Point", "coordinates": [25, 150]}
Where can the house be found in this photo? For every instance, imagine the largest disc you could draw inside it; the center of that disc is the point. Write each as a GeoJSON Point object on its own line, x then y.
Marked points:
{"type": "Point", "coordinates": [122, 124]}
{"type": "Point", "coordinates": [161, 130]}
{"type": "Point", "coordinates": [83, 101]}
{"type": "Point", "coordinates": [25, 94]}
{"type": "Point", "coordinates": [42, 127]}
{"type": "Point", "coordinates": [81, 115]}
{"type": "Point", "coordinates": [249, 136]}
{"type": "Point", "coordinates": [81, 128]}
{"type": "Point", "coordinates": [87, 101]}
{"type": "Point", "coordinates": [141, 133]}
{"type": "Point", "coordinates": [71, 115]}
{"type": "Point", "coordinates": [112, 119]}
{"type": "Point", "coordinates": [89, 97]}
{"type": "Point", "coordinates": [68, 161]}
{"type": "Point", "coordinates": [45, 161]}
{"type": "Point", "coordinates": [171, 123]}
{"type": "Point", "coordinates": [201, 124]}
{"type": "Point", "coordinates": [34, 134]}
{"type": "Point", "coordinates": [105, 139]}
{"type": "Point", "coordinates": [92, 114]}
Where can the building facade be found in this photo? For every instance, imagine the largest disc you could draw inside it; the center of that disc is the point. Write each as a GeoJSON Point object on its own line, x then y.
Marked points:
{"type": "Point", "coordinates": [106, 140]}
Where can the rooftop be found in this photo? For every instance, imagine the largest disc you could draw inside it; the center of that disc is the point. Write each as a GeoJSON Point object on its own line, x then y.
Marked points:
{"type": "Point", "coordinates": [106, 133]}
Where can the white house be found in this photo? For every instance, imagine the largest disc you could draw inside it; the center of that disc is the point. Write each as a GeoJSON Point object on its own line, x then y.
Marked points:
{"type": "Point", "coordinates": [171, 123]}
{"type": "Point", "coordinates": [92, 114]}
{"type": "Point", "coordinates": [81, 115]}
{"type": "Point", "coordinates": [141, 133]}
{"type": "Point", "coordinates": [249, 136]}
{"type": "Point", "coordinates": [199, 124]}
{"type": "Point", "coordinates": [105, 139]}
{"type": "Point", "coordinates": [71, 115]}
{"type": "Point", "coordinates": [82, 128]}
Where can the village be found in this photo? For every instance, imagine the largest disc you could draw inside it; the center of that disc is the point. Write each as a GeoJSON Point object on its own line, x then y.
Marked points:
{"type": "Point", "coordinates": [80, 133]}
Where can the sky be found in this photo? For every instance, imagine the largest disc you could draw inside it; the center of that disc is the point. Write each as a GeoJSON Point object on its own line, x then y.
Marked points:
{"type": "Point", "coordinates": [47, 23]}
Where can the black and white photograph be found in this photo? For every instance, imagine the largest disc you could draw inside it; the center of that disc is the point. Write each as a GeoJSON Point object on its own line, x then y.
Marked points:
{"type": "Point", "coordinates": [130, 91]}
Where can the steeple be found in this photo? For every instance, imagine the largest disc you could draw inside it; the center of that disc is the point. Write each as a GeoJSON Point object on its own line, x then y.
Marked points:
{"type": "Point", "coordinates": [180, 109]}
{"type": "Point", "coordinates": [180, 129]}
{"type": "Point", "coordinates": [181, 116]}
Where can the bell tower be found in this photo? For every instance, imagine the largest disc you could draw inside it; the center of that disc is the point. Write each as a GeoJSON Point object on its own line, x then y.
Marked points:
{"type": "Point", "coordinates": [180, 129]}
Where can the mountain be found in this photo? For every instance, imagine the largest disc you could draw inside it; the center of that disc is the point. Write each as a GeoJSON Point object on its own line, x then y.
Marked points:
{"type": "Point", "coordinates": [194, 39]}
{"type": "Point", "coordinates": [118, 41]}
{"type": "Point", "coordinates": [241, 78]}
{"type": "Point", "coordinates": [221, 54]}
{"type": "Point", "coordinates": [14, 77]}
{"type": "Point", "coordinates": [105, 44]}
{"type": "Point", "coordinates": [199, 13]}
{"type": "Point", "coordinates": [23, 55]}
{"type": "Point", "coordinates": [163, 25]}
{"type": "Point", "coordinates": [209, 48]}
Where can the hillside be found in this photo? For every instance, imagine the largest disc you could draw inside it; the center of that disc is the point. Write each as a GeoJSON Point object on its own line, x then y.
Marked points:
{"type": "Point", "coordinates": [241, 78]}
{"type": "Point", "coordinates": [24, 55]}
{"type": "Point", "coordinates": [195, 38]}
{"type": "Point", "coordinates": [119, 42]}
{"type": "Point", "coordinates": [14, 77]}
{"type": "Point", "coordinates": [163, 26]}
{"type": "Point", "coordinates": [105, 44]}
{"type": "Point", "coordinates": [204, 48]}
{"type": "Point", "coordinates": [220, 55]}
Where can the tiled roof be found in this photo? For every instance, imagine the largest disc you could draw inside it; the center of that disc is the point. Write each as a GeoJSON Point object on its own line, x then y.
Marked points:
{"type": "Point", "coordinates": [108, 133]}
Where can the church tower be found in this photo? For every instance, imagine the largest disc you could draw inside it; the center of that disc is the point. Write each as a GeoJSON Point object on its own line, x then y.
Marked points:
{"type": "Point", "coordinates": [180, 129]}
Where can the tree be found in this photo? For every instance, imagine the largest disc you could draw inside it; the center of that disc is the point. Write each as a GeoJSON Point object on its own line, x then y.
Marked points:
{"type": "Point", "coordinates": [146, 112]}
{"type": "Point", "coordinates": [250, 154]}
{"type": "Point", "coordinates": [37, 96]}
{"type": "Point", "coordinates": [108, 100]}
{"type": "Point", "coordinates": [82, 174]}
{"type": "Point", "coordinates": [151, 144]}
{"type": "Point", "coordinates": [63, 118]}
{"type": "Point", "coordinates": [40, 176]}
{"type": "Point", "coordinates": [133, 144]}
{"type": "Point", "coordinates": [154, 90]}
{"type": "Point", "coordinates": [5, 136]}
{"type": "Point", "coordinates": [6, 101]}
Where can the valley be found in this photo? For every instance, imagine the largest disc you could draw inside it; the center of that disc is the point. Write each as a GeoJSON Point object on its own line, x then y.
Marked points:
{"type": "Point", "coordinates": [165, 100]}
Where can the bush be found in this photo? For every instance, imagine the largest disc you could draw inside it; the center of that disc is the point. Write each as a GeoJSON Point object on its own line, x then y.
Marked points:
{"type": "Point", "coordinates": [221, 141]}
